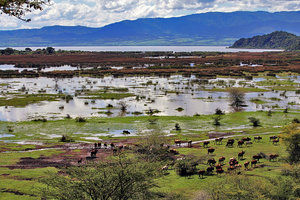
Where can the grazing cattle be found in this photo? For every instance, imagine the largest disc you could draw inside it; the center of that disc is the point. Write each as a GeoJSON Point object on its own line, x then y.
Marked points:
{"type": "Point", "coordinates": [246, 164]}
{"type": "Point", "coordinates": [174, 151]}
{"type": "Point", "coordinates": [246, 139]}
{"type": "Point", "coordinates": [205, 144]}
{"type": "Point", "coordinates": [112, 145]}
{"type": "Point", "coordinates": [79, 161]}
{"type": "Point", "coordinates": [201, 173]}
{"type": "Point", "coordinates": [95, 145]}
{"type": "Point", "coordinates": [221, 160]}
{"type": "Point", "coordinates": [218, 166]}
{"type": "Point", "coordinates": [230, 143]}
{"type": "Point", "coordinates": [231, 168]}
{"type": "Point", "coordinates": [105, 145]}
{"type": "Point", "coordinates": [248, 143]}
{"type": "Point", "coordinates": [219, 171]}
{"type": "Point", "coordinates": [218, 140]}
{"type": "Point", "coordinates": [99, 145]}
{"type": "Point", "coordinates": [210, 170]}
{"type": "Point", "coordinates": [273, 137]}
{"type": "Point", "coordinates": [177, 142]}
{"type": "Point", "coordinates": [257, 138]}
{"type": "Point", "coordinates": [189, 143]}
{"type": "Point", "coordinates": [241, 155]}
{"type": "Point", "coordinates": [275, 141]}
{"type": "Point", "coordinates": [240, 143]}
{"type": "Point", "coordinates": [125, 132]}
{"type": "Point", "coordinates": [233, 161]}
{"type": "Point", "coordinates": [94, 153]}
{"type": "Point", "coordinates": [210, 150]}
{"type": "Point", "coordinates": [253, 163]}
{"type": "Point", "coordinates": [211, 162]}
{"type": "Point", "coordinates": [273, 157]}
{"type": "Point", "coordinates": [257, 157]}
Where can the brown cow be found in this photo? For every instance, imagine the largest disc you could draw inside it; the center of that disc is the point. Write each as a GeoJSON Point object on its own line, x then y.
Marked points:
{"type": "Point", "coordinates": [253, 163]}
{"type": "Point", "coordinates": [241, 155]}
{"type": "Point", "coordinates": [240, 143]}
{"type": "Point", "coordinates": [257, 157]}
{"type": "Point", "coordinates": [273, 157]}
{"type": "Point", "coordinates": [189, 143]}
{"type": "Point", "coordinates": [210, 150]}
{"type": "Point", "coordinates": [230, 143]}
{"type": "Point", "coordinates": [211, 162]}
{"type": "Point", "coordinates": [218, 140]}
{"type": "Point", "coordinates": [174, 151]}
{"type": "Point", "coordinates": [219, 170]}
{"type": "Point", "coordinates": [210, 170]}
{"type": "Point", "coordinates": [257, 138]}
{"type": "Point", "coordinates": [205, 144]}
{"type": "Point", "coordinates": [246, 164]}
{"type": "Point", "coordinates": [177, 142]}
{"type": "Point", "coordinates": [201, 173]}
{"type": "Point", "coordinates": [221, 159]}
{"type": "Point", "coordinates": [275, 141]}
{"type": "Point", "coordinates": [273, 137]}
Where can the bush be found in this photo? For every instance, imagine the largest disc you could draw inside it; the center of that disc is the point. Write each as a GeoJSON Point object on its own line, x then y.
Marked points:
{"type": "Point", "coordinates": [217, 120]}
{"type": "Point", "coordinates": [255, 122]}
{"type": "Point", "coordinates": [186, 167]}
{"type": "Point", "coordinates": [80, 119]}
{"type": "Point", "coordinates": [219, 112]}
{"type": "Point", "coordinates": [291, 137]}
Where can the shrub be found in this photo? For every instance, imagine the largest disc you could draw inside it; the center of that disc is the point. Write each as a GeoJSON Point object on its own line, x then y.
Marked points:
{"type": "Point", "coordinates": [217, 120]}
{"type": "Point", "coordinates": [186, 167]}
{"type": "Point", "coordinates": [80, 119]}
{"type": "Point", "coordinates": [255, 122]}
{"type": "Point", "coordinates": [219, 112]}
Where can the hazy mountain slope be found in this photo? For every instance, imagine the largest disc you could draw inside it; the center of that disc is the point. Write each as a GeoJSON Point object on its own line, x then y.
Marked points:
{"type": "Point", "coordinates": [213, 28]}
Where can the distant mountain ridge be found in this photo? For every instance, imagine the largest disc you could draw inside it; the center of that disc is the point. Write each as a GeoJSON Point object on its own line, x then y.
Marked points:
{"type": "Point", "coordinates": [275, 40]}
{"type": "Point", "coordinates": [213, 28]}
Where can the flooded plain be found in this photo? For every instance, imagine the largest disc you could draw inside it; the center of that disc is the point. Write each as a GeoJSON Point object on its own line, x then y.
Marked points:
{"type": "Point", "coordinates": [142, 95]}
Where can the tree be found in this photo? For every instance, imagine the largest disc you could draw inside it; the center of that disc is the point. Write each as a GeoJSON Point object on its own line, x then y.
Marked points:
{"type": "Point", "coordinates": [237, 98]}
{"type": "Point", "coordinates": [291, 137]}
{"type": "Point", "coordinates": [18, 8]}
{"type": "Point", "coordinates": [120, 178]}
{"type": "Point", "coordinates": [50, 50]}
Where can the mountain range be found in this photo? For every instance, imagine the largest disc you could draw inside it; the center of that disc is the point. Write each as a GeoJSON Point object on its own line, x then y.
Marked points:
{"type": "Point", "coordinates": [213, 28]}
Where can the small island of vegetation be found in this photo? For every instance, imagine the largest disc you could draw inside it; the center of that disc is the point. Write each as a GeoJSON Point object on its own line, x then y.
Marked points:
{"type": "Point", "coordinates": [275, 40]}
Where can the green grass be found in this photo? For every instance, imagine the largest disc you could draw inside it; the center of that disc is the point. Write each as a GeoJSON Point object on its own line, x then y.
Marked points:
{"type": "Point", "coordinates": [108, 96]}
{"type": "Point", "coordinates": [246, 90]}
{"type": "Point", "coordinates": [257, 101]}
{"type": "Point", "coordinates": [24, 100]}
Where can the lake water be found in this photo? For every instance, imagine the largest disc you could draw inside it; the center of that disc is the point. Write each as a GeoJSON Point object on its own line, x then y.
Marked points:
{"type": "Point", "coordinates": [155, 48]}
{"type": "Point", "coordinates": [164, 94]}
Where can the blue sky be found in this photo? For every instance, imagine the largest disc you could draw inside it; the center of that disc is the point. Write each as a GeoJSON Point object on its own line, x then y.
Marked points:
{"type": "Point", "coordinates": [97, 13]}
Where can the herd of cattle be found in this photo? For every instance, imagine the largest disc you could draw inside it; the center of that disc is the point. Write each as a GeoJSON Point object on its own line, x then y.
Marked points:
{"type": "Point", "coordinates": [216, 165]}
{"type": "Point", "coordinates": [233, 162]}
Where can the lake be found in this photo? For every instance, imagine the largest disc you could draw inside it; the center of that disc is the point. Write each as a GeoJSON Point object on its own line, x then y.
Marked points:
{"type": "Point", "coordinates": [155, 48]}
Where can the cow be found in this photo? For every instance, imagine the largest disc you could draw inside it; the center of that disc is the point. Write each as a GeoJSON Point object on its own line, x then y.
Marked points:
{"type": "Point", "coordinates": [189, 143]}
{"type": "Point", "coordinates": [273, 138]}
{"type": "Point", "coordinates": [257, 138]}
{"type": "Point", "coordinates": [174, 151]}
{"type": "Point", "coordinates": [210, 150]}
{"type": "Point", "coordinates": [177, 142]}
{"type": "Point", "coordinates": [112, 145]}
{"type": "Point", "coordinates": [241, 155]}
{"type": "Point", "coordinates": [246, 164]}
{"type": "Point", "coordinates": [205, 144]}
{"type": "Point", "coordinates": [240, 143]}
{"type": "Point", "coordinates": [94, 153]}
{"type": "Point", "coordinates": [201, 173]}
{"type": "Point", "coordinates": [273, 157]}
{"type": "Point", "coordinates": [233, 161]}
{"type": "Point", "coordinates": [253, 163]}
{"type": "Point", "coordinates": [248, 143]}
{"type": "Point", "coordinates": [219, 171]}
{"type": "Point", "coordinates": [218, 140]}
{"type": "Point", "coordinates": [99, 145]}
{"type": "Point", "coordinates": [230, 143]}
{"type": "Point", "coordinates": [246, 139]}
{"type": "Point", "coordinates": [221, 160]}
{"type": "Point", "coordinates": [211, 162]}
{"type": "Point", "coordinates": [257, 157]}
{"type": "Point", "coordinates": [80, 161]}
{"type": "Point", "coordinates": [105, 145]}
{"type": "Point", "coordinates": [125, 132]}
{"type": "Point", "coordinates": [275, 141]}
{"type": "Point", "coordinates": [210, 170]}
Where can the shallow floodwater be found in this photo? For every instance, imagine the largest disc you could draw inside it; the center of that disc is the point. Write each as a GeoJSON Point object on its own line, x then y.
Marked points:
{"type": "Point", "coordinates": [155, 48]}
{"type": "Point", "coordinates": [165, 94]}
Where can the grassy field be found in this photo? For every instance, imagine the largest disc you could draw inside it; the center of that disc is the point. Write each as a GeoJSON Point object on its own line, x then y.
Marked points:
{"type": "Point", "coordinates": [18, 183]}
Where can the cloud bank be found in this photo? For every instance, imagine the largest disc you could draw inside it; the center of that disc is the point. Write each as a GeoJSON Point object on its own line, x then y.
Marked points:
{"type": "Point", "coordinates": [97, 13]}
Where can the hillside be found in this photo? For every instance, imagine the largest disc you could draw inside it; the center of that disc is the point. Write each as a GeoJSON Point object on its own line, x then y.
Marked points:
{"type": "Point", "coordinates": [214, 28]}
{"type": "Point", "coordinates": [275, 40]}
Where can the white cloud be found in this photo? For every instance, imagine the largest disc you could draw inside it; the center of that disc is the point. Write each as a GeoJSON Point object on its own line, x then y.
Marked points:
{"type": "Point", "coordinates": [97, 13]}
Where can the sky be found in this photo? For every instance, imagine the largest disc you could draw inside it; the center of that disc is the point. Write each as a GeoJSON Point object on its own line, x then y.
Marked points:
{"type": "Point", "coordinates": [97, 13]}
